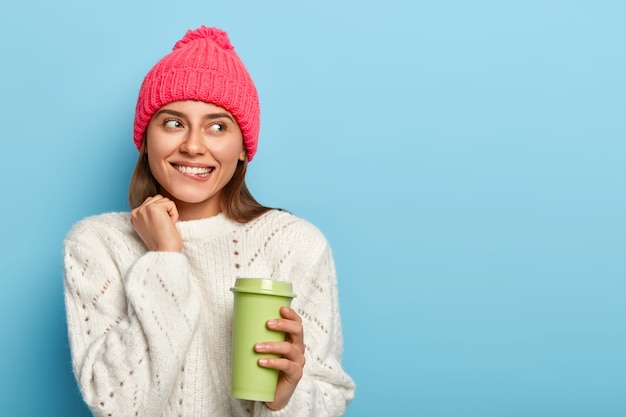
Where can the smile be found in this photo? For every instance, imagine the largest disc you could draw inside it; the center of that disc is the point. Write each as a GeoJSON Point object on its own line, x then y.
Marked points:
{"type": "Point", "coordinates": [201, 171]}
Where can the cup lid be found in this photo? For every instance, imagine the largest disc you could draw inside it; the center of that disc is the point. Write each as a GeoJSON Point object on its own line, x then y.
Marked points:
{"type": "Point", "coordinates": [263, 286]}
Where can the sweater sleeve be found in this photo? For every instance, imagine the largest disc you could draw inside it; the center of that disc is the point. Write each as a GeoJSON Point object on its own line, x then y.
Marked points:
{"type": "Point", "coordinates": [130, 329]}
{"type": "Point", "coordinates": [325, 388]}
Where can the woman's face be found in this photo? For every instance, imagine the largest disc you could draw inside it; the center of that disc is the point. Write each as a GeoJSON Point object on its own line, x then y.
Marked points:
{"type": "Point", "coordinates": [193, 149]}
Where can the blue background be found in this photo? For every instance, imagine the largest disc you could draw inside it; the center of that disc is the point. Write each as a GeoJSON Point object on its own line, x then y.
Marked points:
{"type": "Point", "coordinates": [465, 160]}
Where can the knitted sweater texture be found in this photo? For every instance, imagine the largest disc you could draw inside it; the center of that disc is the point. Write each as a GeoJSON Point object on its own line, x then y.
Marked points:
{"type": "Point", "coordinates": [150, 332]}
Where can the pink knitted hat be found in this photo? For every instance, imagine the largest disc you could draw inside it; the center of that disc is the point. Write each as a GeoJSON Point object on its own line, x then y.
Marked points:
{"type": "Point", "coordinates": [202, 66]}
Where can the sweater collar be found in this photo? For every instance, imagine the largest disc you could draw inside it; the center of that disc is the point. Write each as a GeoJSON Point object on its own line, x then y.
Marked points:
{"type": "Point", "coordinates": [201, 228]}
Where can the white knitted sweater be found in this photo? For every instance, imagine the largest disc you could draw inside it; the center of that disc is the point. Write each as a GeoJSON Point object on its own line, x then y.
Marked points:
{"type": "Point", "coordinates": [150, 332]}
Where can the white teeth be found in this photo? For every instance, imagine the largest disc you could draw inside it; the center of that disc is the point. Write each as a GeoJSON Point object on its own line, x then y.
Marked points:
{"type": "Point", "coordinates": [194, 170]}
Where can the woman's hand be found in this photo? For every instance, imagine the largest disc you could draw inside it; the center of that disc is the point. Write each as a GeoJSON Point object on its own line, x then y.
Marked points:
{"type": "Point", "coordinates": [155, 223]}
{"type": "Point", "coordinates": [292, 361]}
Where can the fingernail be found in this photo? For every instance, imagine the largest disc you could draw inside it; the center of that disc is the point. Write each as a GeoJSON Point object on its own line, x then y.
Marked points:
{"type": "Point", "coordinates": [259, 346]}
{"type": "Point", "coordinates": [262, 361]}
{"type": "Point", "coordinates": [271, 323]}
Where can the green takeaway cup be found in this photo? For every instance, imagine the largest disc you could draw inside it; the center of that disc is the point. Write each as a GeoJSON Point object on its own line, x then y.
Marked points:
{"type": "Point", "coordinates": [256, 300]}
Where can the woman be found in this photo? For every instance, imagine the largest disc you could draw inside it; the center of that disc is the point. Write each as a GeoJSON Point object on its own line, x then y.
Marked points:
{"type": "Point", "coordinates": [147, 292]}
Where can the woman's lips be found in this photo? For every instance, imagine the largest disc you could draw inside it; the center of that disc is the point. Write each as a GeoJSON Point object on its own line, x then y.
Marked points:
{"type": "Point", "coordinates": [193, 170]}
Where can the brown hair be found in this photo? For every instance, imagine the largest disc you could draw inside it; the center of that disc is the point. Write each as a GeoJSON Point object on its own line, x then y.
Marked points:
{"type": "Point", "coordinates": [237, 201]}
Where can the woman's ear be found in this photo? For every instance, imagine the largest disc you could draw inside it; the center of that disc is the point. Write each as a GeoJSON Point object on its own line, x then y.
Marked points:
{"type": "Point", "coordinates": [242, 155]}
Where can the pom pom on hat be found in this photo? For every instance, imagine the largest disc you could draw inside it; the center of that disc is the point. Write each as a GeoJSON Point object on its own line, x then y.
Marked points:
{"type": "Point", "coordinates": [202, 66]}
{"type": "Point", "coordinates": [216, 35]}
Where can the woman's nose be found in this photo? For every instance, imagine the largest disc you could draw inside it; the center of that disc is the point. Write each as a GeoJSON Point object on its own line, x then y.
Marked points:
{"type": "Point", "coordinates": [193, 143]}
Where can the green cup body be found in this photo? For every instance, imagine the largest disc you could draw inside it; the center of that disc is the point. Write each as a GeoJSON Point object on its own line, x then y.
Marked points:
{"type": "Point", "coordinates": [256, 300]}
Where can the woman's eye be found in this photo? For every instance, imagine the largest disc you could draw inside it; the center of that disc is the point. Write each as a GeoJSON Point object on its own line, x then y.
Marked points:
{"type": "Point", "coordinates": [217, 127]}
{"type": "Point", "coordinates": [173, 124]}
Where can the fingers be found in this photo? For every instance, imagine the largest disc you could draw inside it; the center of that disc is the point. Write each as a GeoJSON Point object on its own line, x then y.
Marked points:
{"type": "Point", "coordinates": [154, 221]}
{"type": "Point", "coordinates": [154, 205]}
{"type": "Point", "coordinates": [285, 349]}
{"type": "Point", "coordinates": [291, 323]}
{"type": "Point", "coordinates": [292, 370]}
{"type": "Point", "coordinates": [292, 360]}
{"type": "Point", "coordinates": [291, 350]}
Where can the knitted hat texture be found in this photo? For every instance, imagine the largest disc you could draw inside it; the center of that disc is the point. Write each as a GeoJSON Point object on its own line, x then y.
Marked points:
{"type": "Point", "coordinates": [202, 66]}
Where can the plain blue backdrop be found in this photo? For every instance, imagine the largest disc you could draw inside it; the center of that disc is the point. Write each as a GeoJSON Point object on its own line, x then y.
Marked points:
{"type": "Point", "coordinates": [465, 160]}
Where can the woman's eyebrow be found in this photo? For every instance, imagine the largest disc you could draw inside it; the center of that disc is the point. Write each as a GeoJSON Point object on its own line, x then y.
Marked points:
{"type": "Point", "coordinates": [169, 111]}
{"type": "Point", "coordinates": [212, 116]}
{"type": "Point", "coordinates": [209, 116]}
